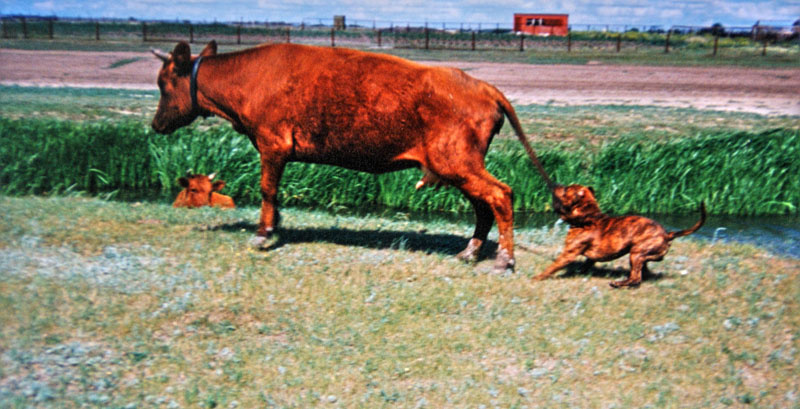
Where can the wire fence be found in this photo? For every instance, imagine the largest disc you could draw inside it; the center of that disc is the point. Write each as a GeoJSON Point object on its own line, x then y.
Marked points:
{"type": "Point", "coordinates": [411, 35]}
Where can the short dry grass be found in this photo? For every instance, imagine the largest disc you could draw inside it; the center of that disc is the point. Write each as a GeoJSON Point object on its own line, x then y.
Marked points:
{"type": "Point", "coordinates": [109, 304]}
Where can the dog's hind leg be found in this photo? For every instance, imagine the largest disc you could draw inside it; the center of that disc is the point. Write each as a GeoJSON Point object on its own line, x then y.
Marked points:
{"type": "Point", "coordinates": [635, 278]}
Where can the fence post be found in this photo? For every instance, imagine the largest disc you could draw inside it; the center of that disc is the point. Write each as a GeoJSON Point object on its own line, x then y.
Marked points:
{"type": "Point", "coordinates": [522, 42]}
{"type": "Point", "coordinates": [379, 38]}
{"type": "Point", "coordinates": [97, 31]}
{"type": "Point", "coordinates": [619, 42]}
{"type": "Point", "coordinates": [191, 33]}
{"type": "Point", "coordinates": [288, 35]}
{"type": "Point", "coordinates": [716, 40]}
{"type": "Point", "coordinates": [473, 40]}
{"type": "Point", "coordinates": [764, 50]}
{"type": "Point", "coordinates": [666, 46]}
{"type": "Point", "coordinates": [569, 40]}
{"type": "Point", "coordinates": [24, 28]}
{"type": "Point", "coordinates": [144, 31]}
{"type": "Point", "coordinates": [427, 37]}
{"type": "Point", "coordinates": [50, 28]}
{"type": "Point", "coordinates": [333, 37]}
{"type": "Point", "coordinates": [238, 34]}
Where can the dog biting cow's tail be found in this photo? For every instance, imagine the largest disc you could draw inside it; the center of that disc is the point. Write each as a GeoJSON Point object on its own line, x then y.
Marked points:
{"type": "Point", "coordinates": [690, 230]}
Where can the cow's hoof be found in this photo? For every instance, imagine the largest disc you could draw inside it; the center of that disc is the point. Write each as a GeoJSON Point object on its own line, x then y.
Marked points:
{"type": "Point", "coordinates": [470, 254]}
{"type": "Point", "coordinates": [263, 242]}
{"type": "Point", "coordinates": [467, 256]}
{"type": "Point", "coordinates": [503, 264]}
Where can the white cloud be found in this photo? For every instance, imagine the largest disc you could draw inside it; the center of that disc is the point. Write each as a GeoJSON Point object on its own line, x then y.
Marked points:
{"type": "Point", "coordinates": [44, 6]}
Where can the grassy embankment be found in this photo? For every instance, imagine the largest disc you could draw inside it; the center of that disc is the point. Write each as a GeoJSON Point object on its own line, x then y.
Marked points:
{"type": "Point", "coordinates": [740, 173]}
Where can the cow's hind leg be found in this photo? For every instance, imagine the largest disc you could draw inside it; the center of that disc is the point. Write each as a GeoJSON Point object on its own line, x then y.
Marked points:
{"type": "Point", "coordinates": [491, 199]}
{"type": "Point", "coordinates": [484, 218]}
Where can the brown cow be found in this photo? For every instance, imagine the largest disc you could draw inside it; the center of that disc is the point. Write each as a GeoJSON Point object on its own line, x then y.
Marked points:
{"type": "Point", "coordinates": [369, 112]}
{"type": "Point", "coordinates": [199, 191]}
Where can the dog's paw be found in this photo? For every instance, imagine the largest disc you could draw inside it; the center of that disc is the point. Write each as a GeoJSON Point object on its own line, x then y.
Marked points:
{"type": "Point", "coordinates": [625, 283]}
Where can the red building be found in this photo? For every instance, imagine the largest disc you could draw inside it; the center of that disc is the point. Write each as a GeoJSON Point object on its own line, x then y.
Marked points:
{"type": "Point", "coordinates": [541, 24]}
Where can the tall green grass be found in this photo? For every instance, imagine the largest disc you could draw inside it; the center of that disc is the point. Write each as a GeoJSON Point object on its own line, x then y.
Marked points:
{"type": "Point", "coordinates": [742, 173]}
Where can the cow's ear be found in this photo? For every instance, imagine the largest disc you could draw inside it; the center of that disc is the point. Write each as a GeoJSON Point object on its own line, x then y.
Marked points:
{"type": "Point", "coordinates": [182, 56]}
{"type": "Point", "coordinates": [218, 185]}
{"type": "Point", "coordinates": [183, 182]}
{"type": "Point", "coordinates": [211, 49]}
{"type": "Point", "coordinates": [591, 189]}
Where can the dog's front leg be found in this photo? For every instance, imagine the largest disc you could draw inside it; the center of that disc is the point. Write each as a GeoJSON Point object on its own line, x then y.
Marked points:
{"type": "Point", "coordinates": [567, 256]}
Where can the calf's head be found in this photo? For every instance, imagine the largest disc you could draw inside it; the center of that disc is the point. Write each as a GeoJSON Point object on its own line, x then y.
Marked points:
{"type": "Point", "coordinates": [197, 190]}
{"type": "Point", "coordinates": [175, 105]}
{"type": "Point", "coordinates": [575, 204]}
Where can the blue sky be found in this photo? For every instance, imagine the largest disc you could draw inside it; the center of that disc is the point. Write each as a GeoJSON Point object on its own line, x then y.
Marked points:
{"type": "Point", "coordinates": [635, 12]}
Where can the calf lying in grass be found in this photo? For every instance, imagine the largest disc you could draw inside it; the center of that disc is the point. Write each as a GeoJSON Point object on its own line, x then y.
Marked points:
{"type": "Point", "coordinates": [199, 191]}
{"type": "Point", "coordinates": [600, 237]}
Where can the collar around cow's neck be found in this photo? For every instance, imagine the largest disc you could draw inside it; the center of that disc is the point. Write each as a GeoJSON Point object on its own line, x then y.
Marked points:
{"type": "Point", "coordinates": [193, 83]}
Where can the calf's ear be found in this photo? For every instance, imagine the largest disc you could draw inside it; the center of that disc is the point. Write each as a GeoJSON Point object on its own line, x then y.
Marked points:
{"type": "Point", "coordinates": [182, 56]}
{"type": "Point", "coordinates": [183, 182]}
{"type": "Point", "coordinates": [211, 49]}
{"type": "Point", "coordinates": [218, 185]}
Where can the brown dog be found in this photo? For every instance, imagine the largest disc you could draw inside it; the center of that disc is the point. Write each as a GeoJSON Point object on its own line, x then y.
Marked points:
{"type": "Point", "coordinates": [600, 237]}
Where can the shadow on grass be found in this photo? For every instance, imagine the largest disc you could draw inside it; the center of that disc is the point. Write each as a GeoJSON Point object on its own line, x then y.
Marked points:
{"type": "Point", "coordinates": [579, 269]}
{"type": "Point", "coordinates": [447, 244]}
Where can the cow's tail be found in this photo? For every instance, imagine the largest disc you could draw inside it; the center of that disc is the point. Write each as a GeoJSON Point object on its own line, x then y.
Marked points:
{"type": "Point", "coordinates": [512, 117]}
{"type": "Point", "coordinates": [675, 234]}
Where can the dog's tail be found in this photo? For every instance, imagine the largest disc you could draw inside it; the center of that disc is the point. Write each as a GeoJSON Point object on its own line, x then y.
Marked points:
{"type": "Point", "coordinates": [690, 230]}
{"type": "Point", "coordinates": [512, 118]}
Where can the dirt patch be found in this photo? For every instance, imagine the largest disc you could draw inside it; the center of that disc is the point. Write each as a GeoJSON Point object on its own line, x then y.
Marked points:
{"type": "Point", "coordinates": [762, 91]}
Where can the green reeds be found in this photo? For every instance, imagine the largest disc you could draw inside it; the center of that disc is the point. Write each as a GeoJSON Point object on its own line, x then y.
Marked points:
{"type": "Point", "coordinates": [741, 173]}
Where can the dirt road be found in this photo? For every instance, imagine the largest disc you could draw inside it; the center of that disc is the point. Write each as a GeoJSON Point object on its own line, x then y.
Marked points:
{"type": "Point", "coordinates": [763, 91]}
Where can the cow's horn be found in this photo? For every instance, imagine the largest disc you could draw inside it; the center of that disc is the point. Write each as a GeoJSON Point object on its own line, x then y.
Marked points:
{"type": "Point", "coordinates": [211, 175]}
{"type": "Point", "coordinates": [188, 172]}
{"type": "Point", "coordinates": [160, 54]}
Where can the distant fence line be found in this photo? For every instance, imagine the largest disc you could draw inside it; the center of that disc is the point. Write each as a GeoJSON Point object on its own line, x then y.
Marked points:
{"type": "Point", "coordinates": [382, 34]}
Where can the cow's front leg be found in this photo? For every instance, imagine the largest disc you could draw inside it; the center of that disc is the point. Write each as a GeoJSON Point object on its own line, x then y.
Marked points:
{"type": "Point", "coordinates": [271, 172]}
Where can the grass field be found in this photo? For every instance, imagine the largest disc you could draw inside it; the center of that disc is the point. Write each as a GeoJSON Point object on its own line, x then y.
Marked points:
{"type": "Point", "coordinates": [123, 305]}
